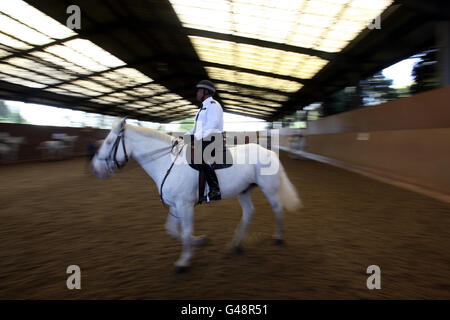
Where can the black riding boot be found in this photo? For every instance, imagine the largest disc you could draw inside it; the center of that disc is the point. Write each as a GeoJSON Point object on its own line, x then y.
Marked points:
{"type": "Point", "coordinates": [213, 183]}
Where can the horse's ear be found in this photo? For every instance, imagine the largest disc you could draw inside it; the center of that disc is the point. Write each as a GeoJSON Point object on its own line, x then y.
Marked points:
{"type": "Point", "coordinates": [123, 122]}
{"type": "Point", "coordinates": [119, 125]}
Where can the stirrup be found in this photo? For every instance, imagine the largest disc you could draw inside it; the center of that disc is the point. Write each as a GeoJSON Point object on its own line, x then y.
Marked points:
{"type": "Point", "coordinates": [203, 199]}
{"type": "Point", "coordinates": [214, 196]}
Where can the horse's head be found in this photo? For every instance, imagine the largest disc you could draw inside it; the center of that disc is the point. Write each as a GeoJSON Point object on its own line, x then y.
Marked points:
{"type": "Point", "coordinates": [113, 153]}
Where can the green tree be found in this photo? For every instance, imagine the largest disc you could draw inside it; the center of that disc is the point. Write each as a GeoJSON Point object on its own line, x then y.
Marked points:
{"type": "Point", "coordinates": [377, 89]}
{"type": "Point", "coordinates": [425, 73]}
{"type": "Point", "coordinates": [4, 111]}
{"type": "Point", "coordinates": [8, 115]}
{"type": "Point", "coordinates": [339, 101]}
{"type": "Point", "coordinates": [187, 124]}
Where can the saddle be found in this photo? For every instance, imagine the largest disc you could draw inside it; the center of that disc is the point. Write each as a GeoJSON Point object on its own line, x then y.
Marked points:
{"type": "Point", "coordinates": [221, 160]}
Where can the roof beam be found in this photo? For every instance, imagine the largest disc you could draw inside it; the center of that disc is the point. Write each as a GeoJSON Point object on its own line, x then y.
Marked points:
{"type": "Point", "coordinates": [170, 58]}
{"type": "Point", "coordinates": [246, 114]}
{"type": "Point", "coordinates": [149, 97]}
{"type": "Point", "coordinates": [249, 96]}
{"type": "Point", "coordinates": [249, 108]}
{"type": "Point", "coordinates": [34, 48]}
{"type": "Point", "coordinates": [236, 84]}
{"type": "Point", "coordinates": [246, 105]}
{"type": "Point", "coordinates": [11, 91]}
{"type": "Point", "coordinates": [252, 87]}
{"type": "Point", "coordinates": [437, 9]}
{"type": "Point", "coordinates": [140, 85]}
{"type": "Point", "coordinates": [175, 29]}
{"type": "Point", "coordinates": [82, 77]}
{"type": "Point", "coordinates": [260, 43]}
{"type": "Point", "coordinates": [253, 71]}
{"type": "Point", "coordinates": [163, 103]}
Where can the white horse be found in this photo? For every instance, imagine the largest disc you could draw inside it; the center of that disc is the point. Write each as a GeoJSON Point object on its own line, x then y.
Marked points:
{"type": "Point", "coordinates": [155, 152]}
{"type": "Point", "coordinates": [58, 149]}
{"type": "Point", "coordinates": [9, 148]}
{"type": "Point", "coordinates": [69, 143]}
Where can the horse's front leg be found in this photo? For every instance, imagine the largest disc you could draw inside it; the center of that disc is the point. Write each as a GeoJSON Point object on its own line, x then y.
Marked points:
{"type": "Point", "coordinates": [186, 216]}
{"type": "Point", "coordinates": [173, 223]}
{"type": "Point", "coordinates": [173, 229]}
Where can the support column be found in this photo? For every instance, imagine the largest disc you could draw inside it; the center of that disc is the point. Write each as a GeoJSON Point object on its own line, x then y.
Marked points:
{"type": "Point", "coordinates": [356, 100]}
{"type": "Point", "coordinates": [443, 43]}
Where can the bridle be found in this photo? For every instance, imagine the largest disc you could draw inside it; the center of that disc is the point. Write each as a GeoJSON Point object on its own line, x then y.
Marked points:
{"type": "Point", "coordinates": [111, 161]}
{"type": "Point", "coordinates": [112, 157]}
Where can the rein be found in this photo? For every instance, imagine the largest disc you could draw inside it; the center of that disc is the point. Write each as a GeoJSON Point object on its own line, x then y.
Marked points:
{"type": "Point", "coordinates": [163, 150]}
{"type": "Point", "coordinates": [112, 157]}
{"type": "Point", "coordinates": [168, 172]}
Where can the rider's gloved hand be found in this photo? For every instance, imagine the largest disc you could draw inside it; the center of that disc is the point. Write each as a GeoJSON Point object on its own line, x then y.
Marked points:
{"type": "Point", "coordinates": [187, 137]}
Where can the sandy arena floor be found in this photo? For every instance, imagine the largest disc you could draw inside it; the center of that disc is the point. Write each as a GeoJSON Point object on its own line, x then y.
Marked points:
{"type": "Point", "coordinates": [55, 214]}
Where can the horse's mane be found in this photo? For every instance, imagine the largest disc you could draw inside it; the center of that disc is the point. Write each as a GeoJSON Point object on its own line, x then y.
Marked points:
{"type": "Point", "coordinates": [152, 133]}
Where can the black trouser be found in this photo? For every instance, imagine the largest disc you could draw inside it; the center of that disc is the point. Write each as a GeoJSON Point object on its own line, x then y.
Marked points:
{"type": "Point", "coordinates": [210, 175]}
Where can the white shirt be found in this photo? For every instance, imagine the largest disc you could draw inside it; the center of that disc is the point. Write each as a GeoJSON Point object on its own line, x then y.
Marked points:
{"type": "Point", "coordinates": [209, 119]}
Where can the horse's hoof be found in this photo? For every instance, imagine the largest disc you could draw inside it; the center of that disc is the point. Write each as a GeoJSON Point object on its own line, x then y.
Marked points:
{"type": "Point", "coordinates": [278, 242]}
{"type": "Point", "coordinates": [181, 270]}
{"type": "Point", "coordinates": [238, 250]}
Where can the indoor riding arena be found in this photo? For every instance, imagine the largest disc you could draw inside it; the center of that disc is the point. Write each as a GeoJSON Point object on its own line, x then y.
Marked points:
{"type": "Point", "coordinates": [369, 158]}
{"type": "Point", "coordinates": [56, 214]}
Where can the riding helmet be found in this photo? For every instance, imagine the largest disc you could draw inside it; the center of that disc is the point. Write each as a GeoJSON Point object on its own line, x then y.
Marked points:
{"type": "Point", "coordinates": [206, 84]}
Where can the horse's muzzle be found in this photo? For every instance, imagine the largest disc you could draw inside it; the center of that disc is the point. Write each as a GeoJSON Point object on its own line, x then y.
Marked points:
{"type": "Point", "coordinates": [100, 172]}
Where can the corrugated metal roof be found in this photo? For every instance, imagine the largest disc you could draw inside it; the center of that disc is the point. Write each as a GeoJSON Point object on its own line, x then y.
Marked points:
{"type": "Point", "coordinates": [143, 58]}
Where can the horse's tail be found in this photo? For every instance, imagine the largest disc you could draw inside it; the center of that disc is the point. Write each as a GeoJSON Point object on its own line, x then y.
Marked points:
{"type": "Point", "coordinates": [287, 193]}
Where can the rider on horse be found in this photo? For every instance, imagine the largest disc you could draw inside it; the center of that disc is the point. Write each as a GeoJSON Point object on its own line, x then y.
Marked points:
{"type": "Point", "coordinates": [208, 121]}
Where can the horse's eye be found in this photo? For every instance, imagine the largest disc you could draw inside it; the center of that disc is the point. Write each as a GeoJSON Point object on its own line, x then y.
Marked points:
{"type": "Point", "coordinates": [108, 141]}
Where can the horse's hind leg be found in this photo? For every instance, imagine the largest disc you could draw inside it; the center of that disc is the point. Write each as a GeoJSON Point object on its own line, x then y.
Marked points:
{"type": "Point", "coordinates": [278, 209]}
{"type": "Point", "coordinates": [273, 196]}
{"type": "Point", "coordinates": [247, 211]}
